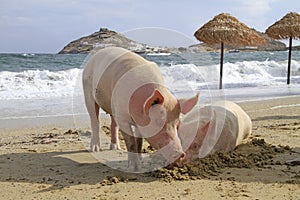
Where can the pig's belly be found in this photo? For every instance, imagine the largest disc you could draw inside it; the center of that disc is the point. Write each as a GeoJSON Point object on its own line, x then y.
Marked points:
{"type": "Point", "coordinates": [103, 101]}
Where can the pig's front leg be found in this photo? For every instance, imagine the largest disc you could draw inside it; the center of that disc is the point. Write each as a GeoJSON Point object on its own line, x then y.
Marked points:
{"type": "Point", "coordinates": [93, 109]}
{"type": "Point", "coordinates": [114, 129]}
{"type": "Point", "coordinates": [139, 142]}
{"type": "Point", "coordinates": [134, 157]}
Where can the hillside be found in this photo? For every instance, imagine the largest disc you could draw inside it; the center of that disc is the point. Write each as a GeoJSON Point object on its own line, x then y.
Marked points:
{"type": "Point", "coordinates": [105, 37]}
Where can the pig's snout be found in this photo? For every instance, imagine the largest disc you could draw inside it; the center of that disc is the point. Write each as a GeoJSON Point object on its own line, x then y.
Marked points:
{"type": "Point", "coordinates": [181, 157]}
{"type": "Point", "coordinates": [181, 160]}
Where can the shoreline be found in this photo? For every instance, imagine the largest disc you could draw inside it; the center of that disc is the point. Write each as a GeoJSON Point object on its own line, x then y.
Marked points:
{"type": "Point", "coordinates": [65, 119]}
{"type": "Point", "coordinates": [52, 163]}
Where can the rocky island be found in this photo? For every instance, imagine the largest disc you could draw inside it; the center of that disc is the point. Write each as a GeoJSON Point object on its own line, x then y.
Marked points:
{"type": "Point", "coordinates": [105, 37]}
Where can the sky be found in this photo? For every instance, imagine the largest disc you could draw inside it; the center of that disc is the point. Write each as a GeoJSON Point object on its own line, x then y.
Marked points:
{"type": "Point", "coordinates": [46, 26]}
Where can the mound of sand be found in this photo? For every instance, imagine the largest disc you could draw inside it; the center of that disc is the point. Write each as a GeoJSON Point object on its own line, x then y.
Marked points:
{"type": "Point", "coordinates": [256, 153]}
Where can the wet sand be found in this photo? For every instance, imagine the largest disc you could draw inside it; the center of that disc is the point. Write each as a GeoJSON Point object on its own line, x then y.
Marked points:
{"type": "Point", "coordinates": [52, 163]}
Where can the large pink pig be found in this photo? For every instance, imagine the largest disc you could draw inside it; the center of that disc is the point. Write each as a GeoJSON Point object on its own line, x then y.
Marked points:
{"type": "Point", "coordinates": [131, 89]}
{"type": "Point", "coordinates": [217, 127]}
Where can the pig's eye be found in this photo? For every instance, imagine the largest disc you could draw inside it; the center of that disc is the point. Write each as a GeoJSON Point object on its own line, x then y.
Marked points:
{"type": "Point", "coordinates": [178, 125]}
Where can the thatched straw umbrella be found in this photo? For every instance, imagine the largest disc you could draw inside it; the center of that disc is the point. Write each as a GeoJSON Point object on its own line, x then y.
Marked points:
{"type": "Point", "coordinates": [224, 28]}
{"type": "Point", "coordinates": [286, 27]}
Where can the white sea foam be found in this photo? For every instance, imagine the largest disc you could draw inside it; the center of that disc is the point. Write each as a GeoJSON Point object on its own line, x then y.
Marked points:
{"type": "Point", "coordinates": [235, 75]}
{"type": "Point", "coordinates": [284, 106]}
{"type": "Point", "coordinates": [37, 84]}
{"type": "Point", "coordinates": [45, 94]}
{"type": "Point", "coordinates": [179, 78]}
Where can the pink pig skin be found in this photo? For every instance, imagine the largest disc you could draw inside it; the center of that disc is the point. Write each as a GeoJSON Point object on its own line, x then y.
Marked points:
{"type": "Point", "coordinates": [129, 88]}
{"type": "Point", "coordinates": [230, 129]}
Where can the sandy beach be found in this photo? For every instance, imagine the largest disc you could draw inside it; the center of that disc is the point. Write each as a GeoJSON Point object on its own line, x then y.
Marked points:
{"type": "Point", "coordinates": [52, 163]}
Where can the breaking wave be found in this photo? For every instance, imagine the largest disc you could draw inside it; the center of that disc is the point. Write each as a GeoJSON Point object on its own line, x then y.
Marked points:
{"type": "Point", "coordinates": [44, 83]}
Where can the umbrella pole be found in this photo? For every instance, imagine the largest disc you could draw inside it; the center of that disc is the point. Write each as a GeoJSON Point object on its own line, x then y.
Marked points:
{"type": "Point", "coordinates": [221, 65]}
{"type": "Point", "coordinates": [289, 61]}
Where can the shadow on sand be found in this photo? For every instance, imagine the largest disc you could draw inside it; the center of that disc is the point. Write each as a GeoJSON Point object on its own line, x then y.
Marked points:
{"type": "Point", "coordinates": [65, 169]}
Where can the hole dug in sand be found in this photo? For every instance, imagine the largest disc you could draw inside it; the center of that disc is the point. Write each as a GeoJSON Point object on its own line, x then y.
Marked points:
{"type": "Point", "coordinates": [254, 154]}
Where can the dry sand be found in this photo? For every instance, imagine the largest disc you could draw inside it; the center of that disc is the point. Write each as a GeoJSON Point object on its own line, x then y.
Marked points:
{"type": "Point", "coordinates": [51, 163]}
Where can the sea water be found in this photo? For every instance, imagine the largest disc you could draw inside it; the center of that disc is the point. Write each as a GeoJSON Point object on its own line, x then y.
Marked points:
{"type": "Point", "coordinates": [45, 89]}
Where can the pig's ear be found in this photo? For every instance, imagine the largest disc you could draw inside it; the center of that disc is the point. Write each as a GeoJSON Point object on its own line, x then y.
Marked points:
{"type": "Point", "coordinates": [186, 105]}
{"type": "Point", "coordinates": [140, 114]}
{"type": "Point", "coordinates": [155, 98]}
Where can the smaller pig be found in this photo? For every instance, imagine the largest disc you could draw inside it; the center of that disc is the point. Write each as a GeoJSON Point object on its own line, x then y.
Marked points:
{"type": "Point", "coordinates": [217, 127]}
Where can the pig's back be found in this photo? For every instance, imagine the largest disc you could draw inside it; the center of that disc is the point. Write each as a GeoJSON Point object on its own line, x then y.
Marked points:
{"type": "Point", "coordinates": [236, 128]}
{"type": "Point", "coordinates": [244, 124]}
{"type": "Point", "coordinates": [110, 65]}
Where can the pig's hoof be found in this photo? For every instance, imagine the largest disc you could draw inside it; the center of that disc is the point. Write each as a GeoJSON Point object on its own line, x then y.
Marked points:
{"type": "Point", "coordinates": [95, 148]}
{"type": "Point", "coordinates": [135, 165]}
{"type": "Point", "coordinates": [115, 146]}
{"type": "Point", "coordinates": [138, 167]}
{"type": "Point", "coordinates": [95, 145]}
